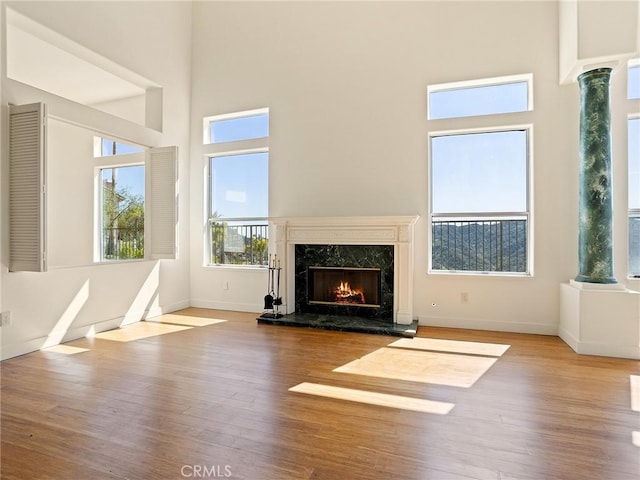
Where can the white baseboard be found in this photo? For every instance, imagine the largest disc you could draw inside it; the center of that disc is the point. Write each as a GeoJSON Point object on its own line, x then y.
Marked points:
{"type": "Point", "coordinates": [173, 307]}
{"type": "Point", "coordinates": [494, 325]}
{"type": "Point", "coordinates": [567, 338]}
{"type": "Point", "coordinates": [231, 306]}
{"type": "Point", "coordinates": [10, 351]}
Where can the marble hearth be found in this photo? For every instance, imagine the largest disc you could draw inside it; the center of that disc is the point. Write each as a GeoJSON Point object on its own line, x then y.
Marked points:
{"type": "Point", "coordinates": [390, 238]}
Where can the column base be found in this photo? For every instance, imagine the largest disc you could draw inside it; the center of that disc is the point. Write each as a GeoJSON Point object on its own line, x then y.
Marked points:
{"type": "Point", "coordinates": [597, 281]}
{"type": "Point", "coordinates": [600, 319]}
{"type": "Point", "coordinates": [582, 285]}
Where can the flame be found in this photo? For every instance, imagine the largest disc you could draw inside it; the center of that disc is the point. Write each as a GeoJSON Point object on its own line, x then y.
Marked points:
{"type": "Point", "coordinates": [345, 294]}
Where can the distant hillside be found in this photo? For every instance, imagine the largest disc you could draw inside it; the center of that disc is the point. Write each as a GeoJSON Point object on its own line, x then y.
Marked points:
{"type": "Point", "coordinates": [484, 246]}
{"type": "Point", "coordinates": [634, 246]}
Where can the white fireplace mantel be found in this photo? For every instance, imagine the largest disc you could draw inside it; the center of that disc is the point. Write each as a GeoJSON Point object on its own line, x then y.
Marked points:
{"type": "Point", "coordinates": [378, 230]}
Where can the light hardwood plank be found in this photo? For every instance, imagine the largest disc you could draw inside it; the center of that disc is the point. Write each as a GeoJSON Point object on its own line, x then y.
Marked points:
{"type": "Point", "coordinates": [218, 395]}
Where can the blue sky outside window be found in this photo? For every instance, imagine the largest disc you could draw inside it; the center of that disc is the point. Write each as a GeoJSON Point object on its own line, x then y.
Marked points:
{"type": "Point", "coordinates": [128, 179]}
{"type": "Point", "coordinates": [239, 185]}
{"type": "Point", "coordinates": [479, 100]}
{"type": "Point", "coordinates": [242, 128]}
{"type": "Point", "coordinates": [633, 82]}
{"type": "Point", "coordinates": [479, 172]}
{"type": "Point", "coordinates": [120, 148]}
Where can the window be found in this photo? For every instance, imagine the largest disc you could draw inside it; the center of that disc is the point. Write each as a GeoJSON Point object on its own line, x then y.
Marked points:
{"type": "Point", "coordinates": [633, 156]}
{"type": "Point", "coordinates": [633, 80]}
{"type": "Point", "coordinates": [634, 196]}
{"type": "Point", "coordinates": [479, 189]}
{"type": "Point", "coordinates": [121, 200]}
{"type": "Point", "coordinates": [105, 147]}
{"type": "Point", "coordinates": [238, 188]}
{"type": "Point", "coordinates": [483, 97]}
{"type": "Point", "coordinates": [237, 126]}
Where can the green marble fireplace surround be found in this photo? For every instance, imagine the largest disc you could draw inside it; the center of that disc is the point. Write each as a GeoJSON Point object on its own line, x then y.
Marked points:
{"type": "Point", "coordinates": [364, 256]}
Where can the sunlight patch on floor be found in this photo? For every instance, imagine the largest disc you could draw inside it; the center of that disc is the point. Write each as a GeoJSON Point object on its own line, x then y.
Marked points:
{"type": "Point", "coordinates": [65, 349]}
{"type": "Point", "coordinates": [374, 398]}
{"type": "Point", "coordinates": [420, 366]}
{"type": "Point", "coordinates": [189, 320]}
{"type": "Point", "coordinates": [635, 438]}
{"type": "Point", "coordinates": [635, 392]}
{"type": "Point", "coordinates": [451, 346]}
{"type": "Point", "coordinates": [140, 330]}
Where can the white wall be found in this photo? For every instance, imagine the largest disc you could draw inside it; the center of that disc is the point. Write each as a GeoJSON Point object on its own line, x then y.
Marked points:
{"type": "Point", "coordinates": [77, 297]}
{"type": "Point", "coordinates": [346, 87]}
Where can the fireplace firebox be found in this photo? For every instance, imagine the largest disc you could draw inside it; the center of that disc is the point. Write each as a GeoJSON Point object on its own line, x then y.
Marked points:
{"type": "Point", "coordinates": [343, 286]}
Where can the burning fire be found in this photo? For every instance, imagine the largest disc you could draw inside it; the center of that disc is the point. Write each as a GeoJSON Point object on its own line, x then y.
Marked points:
{"type": "Point", "coordinates": [345, 294]}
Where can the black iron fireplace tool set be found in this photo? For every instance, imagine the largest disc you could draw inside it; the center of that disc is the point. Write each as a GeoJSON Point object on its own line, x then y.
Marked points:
{"type": "Point", "coordinates": [273, 300]}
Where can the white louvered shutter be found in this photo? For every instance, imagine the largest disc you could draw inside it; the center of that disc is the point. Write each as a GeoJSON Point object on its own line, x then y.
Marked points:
{"type": "Point", "coordinates": [27, 194]}
{"type": "Point", "coordinates": [161, 198]}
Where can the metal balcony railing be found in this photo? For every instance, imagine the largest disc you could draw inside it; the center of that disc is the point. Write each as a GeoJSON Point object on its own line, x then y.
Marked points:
{"type": "Point", "coordinates": [234, 243]}
{"type": "Point", "coordinates": [122, 243]}
{"type": "Point", "coordinates": [480, 245]}
{"type": "Point", "coordinates": [634, 243]}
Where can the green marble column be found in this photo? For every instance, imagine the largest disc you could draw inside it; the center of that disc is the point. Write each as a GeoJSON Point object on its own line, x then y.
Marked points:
{"type": "Point", "coordinates": [595, 236]}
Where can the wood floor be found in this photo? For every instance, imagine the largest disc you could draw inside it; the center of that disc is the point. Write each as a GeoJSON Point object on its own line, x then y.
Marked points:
{"type": "Point", "coordinates": [214, 401]}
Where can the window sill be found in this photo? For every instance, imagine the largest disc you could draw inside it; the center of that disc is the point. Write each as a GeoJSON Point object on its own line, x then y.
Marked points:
{"type": "Point", "coordinates": [480, 274]}
{"type": "Point", "coordinates": [119, 262]}
{"type": "Point", "coordinates": [235, 267]}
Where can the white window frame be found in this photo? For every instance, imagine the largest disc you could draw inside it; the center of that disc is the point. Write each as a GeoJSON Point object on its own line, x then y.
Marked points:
{"type": "Point", "coordinates": [483, 216]}
{"type": "Point", "coordinates": [114, 161]}
{"type": "Point", "coordinates": [225, 149]}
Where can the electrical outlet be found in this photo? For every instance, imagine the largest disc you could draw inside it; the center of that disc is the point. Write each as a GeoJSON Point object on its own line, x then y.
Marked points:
{"type": "Point", "coordinates": [464, 297]}
{"type": "Point", "coordinates": [5, 319]}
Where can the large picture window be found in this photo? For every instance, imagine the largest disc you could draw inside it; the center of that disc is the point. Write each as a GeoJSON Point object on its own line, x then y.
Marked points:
{"type": "Point", "coordinates": [479, 185]}
{"type": "Point", "coordinates": [238, 165]}
{"type": "Point", "coordinates": [633, 155]}
{"type": "Point", "coordinates": [634, 196]}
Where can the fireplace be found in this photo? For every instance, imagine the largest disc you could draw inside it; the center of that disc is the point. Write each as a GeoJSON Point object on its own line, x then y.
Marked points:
{"type": "Point", "coordinates": [354, 280]}
{"type": "Point", "coordinates": [380, 247]}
